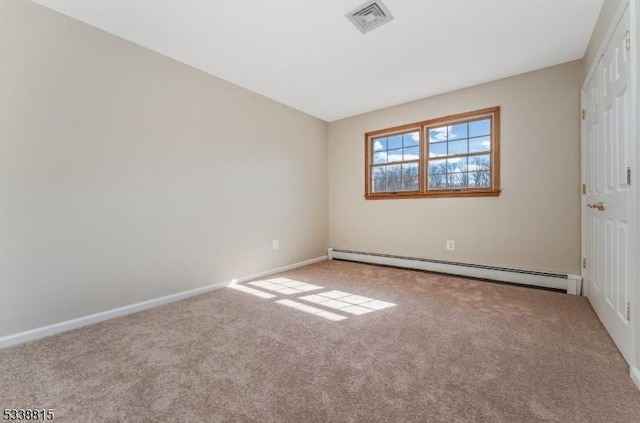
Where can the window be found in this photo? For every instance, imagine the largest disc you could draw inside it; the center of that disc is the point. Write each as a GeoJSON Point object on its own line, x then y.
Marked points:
{"type": "Point", "coordinates": [455, 156]}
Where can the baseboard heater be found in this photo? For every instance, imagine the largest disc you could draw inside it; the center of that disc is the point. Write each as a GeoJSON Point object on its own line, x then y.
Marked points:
{"type": "Point", "coordinates": [571, 284]}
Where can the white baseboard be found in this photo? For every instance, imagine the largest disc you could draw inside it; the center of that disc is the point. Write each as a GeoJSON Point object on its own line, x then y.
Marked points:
{"type": "Point", "coordinates": [635, 376]}
{"type": "Point", "coordinates": [37, 333]}
{"type": "Point", "coordinates": [280, 269]}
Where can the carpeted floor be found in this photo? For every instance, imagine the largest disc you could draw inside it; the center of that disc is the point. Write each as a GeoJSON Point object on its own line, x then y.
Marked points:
{"type": "Point", "coordinates": [405, 347]}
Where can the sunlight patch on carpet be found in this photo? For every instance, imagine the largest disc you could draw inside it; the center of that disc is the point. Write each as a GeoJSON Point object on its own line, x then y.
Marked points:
{"type": "Point", "coordinates": [285, 286]}
{"type": "Point", "coordinates": [337, 300]}
{"type": "Point", "coordinates": [343, 301]}
{"type": "Point", "coordinates": [251, 291]}
{"type": "Point", "coordinates": [311, 310]}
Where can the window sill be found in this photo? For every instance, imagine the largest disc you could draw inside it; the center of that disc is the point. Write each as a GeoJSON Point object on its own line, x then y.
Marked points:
{"type": "Point", "coordinates": [438, 194]}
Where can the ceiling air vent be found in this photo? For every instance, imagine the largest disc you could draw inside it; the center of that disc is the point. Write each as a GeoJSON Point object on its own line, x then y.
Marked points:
{"type": "Point", "coordinates": [370, 15]}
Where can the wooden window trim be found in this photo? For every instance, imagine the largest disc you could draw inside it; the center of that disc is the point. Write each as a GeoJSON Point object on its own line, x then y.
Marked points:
{"type": "Point", "coordinates": [422, 127]}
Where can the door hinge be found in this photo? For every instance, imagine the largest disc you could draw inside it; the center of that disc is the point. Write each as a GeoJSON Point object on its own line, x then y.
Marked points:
{"type": "Point", "coordinates": [584, 263]}
{"type": "Point", "coordinates": [629, 312]}
{"type": "Point", "coordinates": [628, 176]}
{"type": "Point", "coordinates": [584, 188]}
{"type": "Point", "coordinates": [583, 114]}
{"type": "Point", "coordinates": [627, 41]}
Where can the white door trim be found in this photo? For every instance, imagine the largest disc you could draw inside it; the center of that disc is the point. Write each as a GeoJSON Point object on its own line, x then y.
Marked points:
{"type": "Point", "coordinates": [635, 47]}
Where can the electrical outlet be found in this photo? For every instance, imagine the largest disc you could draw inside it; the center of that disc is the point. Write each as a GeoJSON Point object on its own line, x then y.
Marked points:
{"type": "Point", "coordinates": [276, 244]}
{"type": "Point", "coordinates": [451, 245]}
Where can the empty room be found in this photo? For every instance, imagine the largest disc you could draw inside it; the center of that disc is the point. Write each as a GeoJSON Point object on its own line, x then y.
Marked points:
{"type": "Point", "coordinates": [334, 211]}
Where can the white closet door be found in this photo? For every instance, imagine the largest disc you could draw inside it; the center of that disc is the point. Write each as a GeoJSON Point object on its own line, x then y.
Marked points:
{"type": "Point", "coordinates": [609, 201]}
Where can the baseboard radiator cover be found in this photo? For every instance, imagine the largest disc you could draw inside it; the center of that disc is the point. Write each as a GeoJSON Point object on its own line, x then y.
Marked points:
{"type": "Point", "coordinates": [571, 284]}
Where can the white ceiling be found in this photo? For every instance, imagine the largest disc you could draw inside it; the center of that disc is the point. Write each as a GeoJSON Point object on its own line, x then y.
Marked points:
{"type": "Point", "coordinates": [307, 55]}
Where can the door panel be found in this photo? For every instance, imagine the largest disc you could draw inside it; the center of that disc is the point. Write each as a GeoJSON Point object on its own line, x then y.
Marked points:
{"type": "Point", "coordinates": [609, 203]}
{"type": "Point", "coordinates": [621, 280]}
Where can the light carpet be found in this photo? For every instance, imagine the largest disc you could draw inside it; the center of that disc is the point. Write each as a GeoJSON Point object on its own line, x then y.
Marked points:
{"type": "Point", "coordinates": [405, 346]}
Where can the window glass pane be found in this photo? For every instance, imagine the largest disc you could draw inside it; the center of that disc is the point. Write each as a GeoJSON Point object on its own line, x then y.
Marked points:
{"type": "Point", "coordinates": [437, 167]}
{"type": "Point", "coordinates": [379, 172]}
{"type": "Point", "coordinates": [456, 180]}
{"type": "Point", "coordinates": [480, 128]}
{"type": "Point", "coordinates": [394, 155]}
{"type": "Point", "coordinates": [395, 141]}
{"type": "Point", "coordinates": [473, 177]}
{"type": "Point", "coordinates": [458, 131]}
{"type": "Point", "coordinates": [479, 179]}
{"type": "Point", "coordinates": [410, 177]}
{"type": "Point", "coordinates": [477, 145]}
{"type": "Point", "coordinates": [483, 180]}
{"type": "Point", "coordinates": [457, 147]}
{"type": "Point", "coordinates": [394, 178]}
{"type": "Point", "coordinates": [411, 184]}
{"type": "Point", "coordinates": [379, 144]}
{"type": "Point", "coordinates": [438, 181]}
{"type": "Point", "coordinates": [438, 134]}
{"type": "Point", "coordinates": [411, 139]}
{"type": "Point", "coordinates": [379, 179]}
{"type": "Point", "coordinates": [438, 149]}
{"type": "Point", "coordinates": [482, 162]}
{"type": "Point", "coordinates": [379, 185]}
{"type": "Point", "coordinates": [457, 165]}
{"type": "Point", "coordinates": [411, 153]}
{"type": "Point", "coordinates": [380, 157]}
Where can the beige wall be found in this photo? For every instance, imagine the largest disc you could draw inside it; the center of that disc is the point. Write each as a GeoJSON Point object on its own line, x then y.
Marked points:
{"type": "Point", "coordinates": [534, 224]}
{"type": "Point", "coordinates": [126, 176]}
